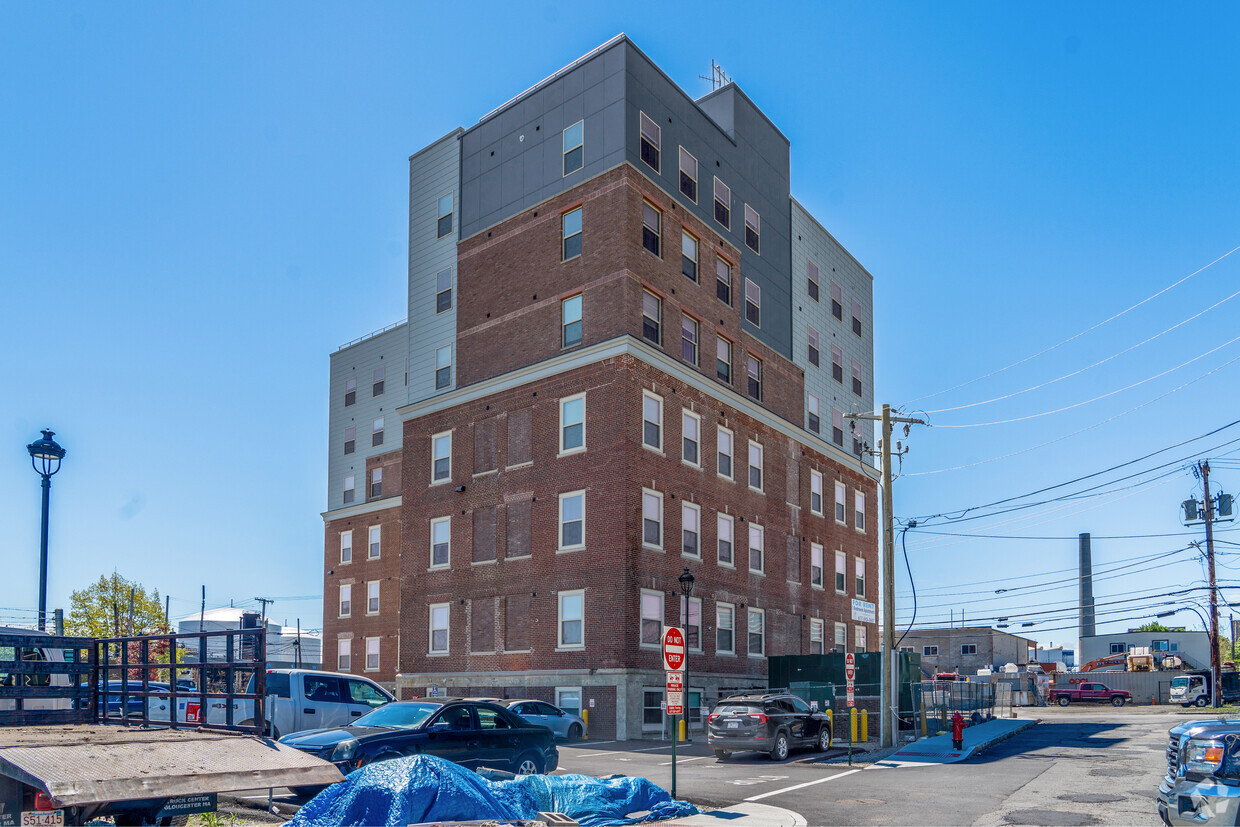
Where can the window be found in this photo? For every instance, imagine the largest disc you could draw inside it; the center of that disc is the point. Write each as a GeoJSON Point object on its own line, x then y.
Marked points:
{"type": "Point", "coordinates": [688, 256]}
{"type": "Point", "coordinates": [652, 421]}
{"type": "Point", "coordinates": [350, 439]}
{"type": "Point", "coordinates": [346, 599]}
{"type": "Point", "coordinates": [929, 651]}
{"type": "Point", "coordinates": [573, 424]}
{"type": "Point", "coordinates": [374, 549]}
{"type": "Point", "coordinates": [443, 367]}
{"type": "Point", "coordinates": [652, 316]}
{"type": "Point", "coordinates": [815, 565]}
{"type": "Point", "coordinates": [723, 360]}
{"type": "Point", "coordinates": [856, 317]}
{"type": "Point", "coordinates": [372, 654]}
{"type": "Point", "coordinates": [723, 204]}
{"type": "Point", "coordinates": [968, 648]}
{"type": "Point", "coordinates": [755, 466]}
{"type": "Point", "coordinates": [651, 222]}
{"type": "Point", "coordinates": [811, 274]}
{"type": "Point", "coordinates": [859, 510]}
{"type": "Point", "coordinates": [837, 364]}
{"type": "Point", "coordinates": [441, 457]}
{"type": "Point", "coordinates": [815, 492]}
{"type": "Point", "coordinates": [376, 482]}
{"type": "Point", "coordinates": [350, 392]}
{"type": "Point", "coordinates": [570, 321]}
{"type": "Point", "coordinates": [840, 493]}
{"type": "Point", "coordinates": [723, 281]}
{"type": "Point", "coordinates": [837, 427]}
{"type": "Point", "coordinates": [574, 147]}
{"type": "Point", "coordinates": [443, 290]}
{"type": "Point", "coordinates": [689, 340]}
{"type": "Point", "coordinates": [841, 636]}
{"type": "Point", "coordinates": [860, 577]}
{"type": "Point", "coordinates": [753, 229]}
{"type": "Point", "coordinates": [723, 453]}
{"type": "Point", "coordinates": [572, 520]}
{"type": "Point", "coordinates": [841, 574]}
{"type": "Point", "coordinates": [688, 175]}
{"type": "Point", "coordinates": [815, 636]}
{"type": "Point", "coordinates": [725, 526]}
{"type": "Point", "coordinates": [343, 659]}
{"type": "Point", "coordinates": [441, 542]}
{"type": "Point", "coordinates": [813, 408]}
{"type": "Point", "coordinates": [837, 301]}
{"type": "Point", "coordinates": [757, 548]}
{"type": "Point", "coordinates": [652, 618]}
{"type": "Point", "coordinates": [814, 357]}
{"type": "Point", "coordinates": [572, 618]}
{"type": "Point", "coordinates": [690, 530]}
{"type": "Point", "coordinates": [346, 547]}
{"type": "Point", "coordinates": [652, 709]}
{"type": "Point", "coordinates": [757, 633]}
{"type": "Point", "coordinates": [859, 636]}
{"type": "Point", "coordinates": [652, 519]}
{"type": "Point", "coordinates": [1118, 648]}
{"type": "Point", "coordinates": [439, 628]}
{"type": "Point", "coordinates": [690, 437]}
{"type": "Point", "coordinates": [348, 489]}
{"type": "Point", "coordinates": [753, 371]}
{"type": "Point", "coordinates": [377, 383]}
{"type": "Point", "coordinates": [445, 215]}
{"type": "Point", "coordinates": [376, 432]}
{"type": "Point", "coordinates": [651, 141]}
{"type": "Point", "coordinates": [570, 232]}
{"type": "Point", "coordinates": [692, 624]}
{"type": "Point", "coordinates": [372, 597]}
{"type": "Point", "coordinates": [725, 628]}
{"type": "Point", "coordinates": [753, 303]}
{"type": "Point", "coordinates": [856, 377]}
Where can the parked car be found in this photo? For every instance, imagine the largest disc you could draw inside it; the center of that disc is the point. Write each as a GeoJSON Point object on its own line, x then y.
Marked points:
{"type": "Point", "coordinates": [1090, 692]}
{"type": "Point", "coordinates": [773, 723]}
{"type": "Point", "coordinates": [563, 724]}
{"type": "Point", "coordinates": [1202, 784]}
{"type": "Point", "coordinates": [470, 733]}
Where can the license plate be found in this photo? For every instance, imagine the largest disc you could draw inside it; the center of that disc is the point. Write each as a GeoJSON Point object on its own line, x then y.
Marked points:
{"type": "Point", "coordinates": [43, 818]}
{"type": "Point", "coordinates": [734, 724]}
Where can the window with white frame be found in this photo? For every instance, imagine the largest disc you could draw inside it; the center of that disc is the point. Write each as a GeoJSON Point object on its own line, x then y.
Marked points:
{"type": "Point", "coordinates": [856, 317]}
{"type": "Point", "coordinates": [815, 492]}
{"type": "Point", "coordinates": [837, 364]}
{"type": "Point", "coordinates": [652, 420]}
{"type": "Point", "coordinates": [573, 520]}
{"type": "Point", "coordinates": [690, 530]}
{"type": "Point", "coordinates": [348, 489]}
{"type": "Point", "coordinates": [443, 367]}
{"type": "Point", "coordinates": [350, 392]}
{"type": "Point", "coordinates": [859, 634]}
{"type": "Point", "coordinates": [652, 318]}
{"type": "Point", "coordinates": [723, 281]}
{"type": "Point", "coordinates": [753, 369]}
{"type": "Point", "coordinates": [372, 597]}
{"type": "Point", "coordinates": [346, 599]}
{"type": "Point", "coordinates": [815, 419]}
{"type": "Point", "coordinates": [692, 624]}
{"type": "Point", "coordinates": [573, 424]}
{"type": "Point", "coordinates": [811, 274]}
{"type": "Point", "coordinates": [723, 204]}
{"type": "Point", "coordinates": [439, 615]}
{"type": "Point", "coordinates": [574, 147]}
{"type": "Point", "coordinates": [837, 427]}
{"type": "Point", "coordinates": [755, 466]}
{"type": "Point", "coordinates": [570, 321]}
{"type": "Point", "coordinates": [350, 439]}
{"type": "Point", "coordinates": [815, 565]}
{"type": "Point", "coordinates": [570, 234]}
{"type": "Point", "coordinates": [688, 256]}
{"type": "Point", "coordinates": [652, 519]}
{"type": "Point", "coordinates": [690, 437]}
{"type": "Point", "coordinates": [841, 573]}
{"type": "Point", "coordinates": [441, 542]}
{"type": "Point", "coordinates": [651, 141]}
{"type": "Point", "coordinates": [757, 633]}
{"type": "Point", "coordinates": [856, 377]}
{"type": "Point", "coordinates": [725, 629]}
{"type": "Point", "coordinates": [372, 654]}
{"type": "Point", "coordinates": [652, 618]}
{"type": "Point", "coordinates": [859, 510]}
{"type": "Point", "coordinates": [376, 482]}
{"type": "Point", "coordinates": [723, 453]}
{"type": "Point", "coordinates": [723, 360]}
{"type": "Point", "coordinates": [572, 619]}
{"type": "Point", "coordinates": [344, 660]}
{"type": "Point", "coordinates": [815, 636]}
{"type": "Point", "coordinates": [652, 228]}
{"type": "Point", "coordinates": [931, 651]}
{"type": "Point", "coordinates": [378, 381]}
{"type": "Point", "coordinates": [753, 303]}
{"type": "Point", "coordinates": [757, 548]}
{"type": "Point", "coordinates": [753, 229]}
{"type": "Point", "coordinates": [814, 356]}
{"type": "Point", "coordinates": [376, 433]}
{"type": "Point", "coordinates": [688, 175]}
{"type": "Point", "coordinates": [841, 492]}
{"type": "Point", "coordinates": [375, 548]}
{"type": "Point", "coordinates": [346, 546]}
{"type": "Point", "coordinates": [441, 457]}
{"type": "Point", "coordinates": [444, 223]}
{"type": "Point", "coordinates": [689, 339]}
{"type": "Point", "coordinates": [841, 636]}
{"type": "Point", "coordinates": [859, 567]}
{"type": "Point", "coordinates": [837, 301]}
{"type": "Point", "coordinates": [443, 290]}
{"type": "Point", "coordinates": [725, 525]}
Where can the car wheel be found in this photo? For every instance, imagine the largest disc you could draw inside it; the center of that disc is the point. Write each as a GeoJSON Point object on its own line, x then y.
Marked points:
{"type": "Point", "coordinates": [779, 752]}
{"type": "Point", "coordinates": [307, 792]}
{"type": "Point", "coordinates": [574, 732]}
{"type": "Point", "coordinates": [722, 754]}
{"type": "Point", "coordinates": [824, 739]}
{"type": "Point", "coordinates": [1064, 700]}
{"type": "Point", "coordinates": [529, 764]}
{"type": "Point", "coordinates": [1118, 700]}
{"type": "Point", "coordinates": [1202, 701]}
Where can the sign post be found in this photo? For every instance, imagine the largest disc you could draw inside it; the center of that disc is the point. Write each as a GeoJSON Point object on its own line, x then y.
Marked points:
{"type": "Point", "coordinates": [850, 675]}
{"type": "Point", "coordinates": [674, 663]}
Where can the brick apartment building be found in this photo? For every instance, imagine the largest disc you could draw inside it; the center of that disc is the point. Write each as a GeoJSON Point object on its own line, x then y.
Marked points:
{"type": "Point", "coordinates": [628, 352]}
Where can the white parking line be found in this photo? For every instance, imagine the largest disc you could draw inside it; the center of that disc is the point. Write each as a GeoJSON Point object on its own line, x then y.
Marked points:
{"type": "Point", "coordinates": [651, 749]}
{"type": "Point", "coordinates": [801, 786]}
{"type": "Point", "coordinates": [592, 743]}
{"type": "Point", "coordinates": [685, 760]}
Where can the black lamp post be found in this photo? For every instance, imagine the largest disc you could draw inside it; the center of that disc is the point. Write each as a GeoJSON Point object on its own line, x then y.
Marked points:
{"type": "Point", "coordinates": [45, 456]}
{"type": "Point", "coordinates": [686, 588]}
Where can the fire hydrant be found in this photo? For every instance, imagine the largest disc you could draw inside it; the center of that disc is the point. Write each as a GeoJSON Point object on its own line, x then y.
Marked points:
{"type": "Point", "coordinates": [958, 732]}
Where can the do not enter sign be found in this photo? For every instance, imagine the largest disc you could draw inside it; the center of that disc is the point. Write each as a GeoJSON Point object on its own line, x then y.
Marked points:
{"type": "Point", "coordinates": [674, 649]}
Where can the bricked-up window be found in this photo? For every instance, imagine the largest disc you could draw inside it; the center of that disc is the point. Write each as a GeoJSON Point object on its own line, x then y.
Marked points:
{"type": "Point", "coordinates": [753, 303]}
{"type": "Point", "coordinates": [372, 654]}
{"type": "Point", "coordinates": [377, 384]}
{"type": "Point", "coordinates": [689, 340]}
{"type": "Point", "coordinates": [753, 376]}
{"type": "Point", "coordinates": [811, 275]}
{"type": "Point", "coordinates": [814, 356]}
{"type": "Point", "coordinates": [652, 222]}
{"type": "Point", "coordinates": [841, 573]}
{"type": "Point", "coordinates": [856, 377]}
{"type": "Point", "coordinates": [346, 546]}
{"type": "Point", "coordinates": [443, 367]}
{"type": "Point", "coordinates": [350, 392]}
{"type": "Point", "coordinates": [441, 543]}
{"type": "Point", "coordinates": [757, 633]}
{"type": "Point", "coordinates": [517, 623]}
{"type": "Point", "coordinates": [723, 281]}
{"type": "Point", "coordinates": [376, 482]}
{"type": "Point", "coordinates": [725, 629]}
{"type": "Point", "coordinates": [860, 578]}
{"type": "Point", "coordinates": [519, 443]}
{"type": "Point", "coordinates": [376, 432]}
{"type": "Point", "coordinates": [792, 548]}
{"type": "Point", "coordinates": [837, 427]}
{"type": "Point", "coordinates": [841, 637]}
{"type": "Point", "coordinates": [840, 493]}
{"type": "Point", "coordinates": [757, 548]}
{"type": "Point", "coordinates": [813, 409]}
{"type": "Point", "coordinates": [486, 437]}
{"type": "Point", "coordinates": [372, 597]}
{"type": "Point", "coordinates": [688, 256]}
{"type": "Point", "coordinates": [931, 651]}
{"type": "Point", "coordinates": [724, 452]}
{"type": "Point", "coordinates": [856, 317]}
{"type": "Point", "coordinates": [755, 465]}
{"type": "Point", "coordinates": [815, 492]}
{"type": "Point", "coordinates": [573, 520]}
{"type": "Point", "coordinates": [439, 615]}
{"type": "Point", "coordinates": [859, 510]}
{"type": "Point", "coordinates": [350, 439]}
{"type": "Point", "coordinates": [441, 457]}
{"type": "Point", "coordinates": [484, 534]}
{"type": "Point", "coordinates": [570, 321]}
{"type": "Point", "coordinates": [374, 548]}
{"type": "Point", "coordinates": [652, 318]}
{"type": "Point", "coordinates": [652, 421]}
{"type": "Point", "coordinates": [725, 526]}
{"type": "Point", "coordinates": [570, 228]}
{"type": "Point", "coordinates": [815, 636]}
{"type": "Point", "coordinates": [652, 519]}
{"type": "Point", "coordinates": [572, 619]}
{"type": "Point", "coordinates": [815, 565]}
{"type": "Point", "coordinates": [574, 148]}
{"type": "Point", "coordinates": [753, 229]}
{"type": "Point", "coordinates": [690, 530]}
{"type": "Point", "coordinates": [573, 424]}
{"type": "Point", "coordinates": [344, 660]}
{"type": "Point", "coordinates": [652, 617]}
{"type": "Point", "coordinates": [444, 224]}
{"type": "Point", "coordinates": [723, 204]}
{"type": "Point", "coordinates": [688, 175]}
{"type": "Point", "coordinates": [792, 478]}
{"type": "Point", "coordinates": [443, 290]}
{"type": "Point", "coordinates": [482, 624]}
{"type": "Point", "coordinates": [859, 632]}
{"type": "Point", "coordinates": [346, 599]}
{"type": "Point", "coordinates": [692, 624]}
{"type": "Point", "coordinates": [690, 437]}
{"type": "Point", "coordinates": [517, 541]}
{"type": "Point", "coordinates": [348, 489]}
{"type": "Point", "coordinates": [651, 141]}
{"type": "Point", "coordinates": [723, 360]}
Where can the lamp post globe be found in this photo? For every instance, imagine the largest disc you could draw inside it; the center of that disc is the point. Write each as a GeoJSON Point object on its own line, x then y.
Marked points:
{"type": "Point", "coordinates": [45, 457]}
{"type": "Point", "coordinates": [686, 583]}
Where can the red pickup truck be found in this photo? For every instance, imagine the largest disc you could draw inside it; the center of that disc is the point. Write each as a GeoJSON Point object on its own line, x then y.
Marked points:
{"type": "Point", "coordinates": [1096, 692]}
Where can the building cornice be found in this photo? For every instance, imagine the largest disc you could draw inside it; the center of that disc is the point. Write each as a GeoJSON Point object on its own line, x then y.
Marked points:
{"type": "Point", "coordinates": [362, 508]}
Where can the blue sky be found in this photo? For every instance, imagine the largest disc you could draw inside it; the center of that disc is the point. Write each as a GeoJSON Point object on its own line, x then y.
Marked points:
{"type": "Point", "coordinates": [199, 202]}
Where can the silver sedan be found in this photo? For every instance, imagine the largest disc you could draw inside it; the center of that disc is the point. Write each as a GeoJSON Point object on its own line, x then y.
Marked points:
{"type": "Point", "coordinates": [564, 725]}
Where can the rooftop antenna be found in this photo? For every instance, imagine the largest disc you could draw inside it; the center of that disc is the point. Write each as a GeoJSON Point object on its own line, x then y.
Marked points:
{"type": "Point", "coordinates": [718, 77]}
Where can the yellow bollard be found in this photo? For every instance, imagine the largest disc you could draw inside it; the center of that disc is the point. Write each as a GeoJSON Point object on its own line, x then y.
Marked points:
{"type": "Point", "coordinates": [831, 722]}
{"type": "Point", "coordinates": [865, 725]}
{"type": "Point", "coordinates": [852, 724]}
{"type": "Point", "coordinates": [585, 717]}
{"type": "Point", "coordinates": [923, 719]}
{"type": "Point", "coordinates": [683, 727]}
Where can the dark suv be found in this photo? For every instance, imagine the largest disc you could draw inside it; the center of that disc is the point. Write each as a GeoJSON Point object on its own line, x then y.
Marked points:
{"type": "Point", "coordinates": [773, 723]}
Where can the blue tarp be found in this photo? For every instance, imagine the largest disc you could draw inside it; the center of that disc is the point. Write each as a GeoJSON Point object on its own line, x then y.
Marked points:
{"type": "Point", "coordinates": [425, 788]}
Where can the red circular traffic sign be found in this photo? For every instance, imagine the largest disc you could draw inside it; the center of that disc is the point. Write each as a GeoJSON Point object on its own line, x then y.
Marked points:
{"type": "Point", "coordinates": [673, 649]}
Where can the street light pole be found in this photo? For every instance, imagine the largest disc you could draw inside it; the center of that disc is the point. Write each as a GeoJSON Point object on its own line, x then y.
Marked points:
{"type": "Point", "coordinates": [45, 457]}
{"type": "Point", "coordinates": [686, 581]}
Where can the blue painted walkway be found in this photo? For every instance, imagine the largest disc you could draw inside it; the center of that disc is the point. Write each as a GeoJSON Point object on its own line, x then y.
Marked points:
{"type": "Point", "coordinates": [939, 749]}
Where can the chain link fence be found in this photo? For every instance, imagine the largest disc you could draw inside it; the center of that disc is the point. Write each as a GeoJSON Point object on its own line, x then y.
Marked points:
{"type": "Point", "coordinates": [935, 702]}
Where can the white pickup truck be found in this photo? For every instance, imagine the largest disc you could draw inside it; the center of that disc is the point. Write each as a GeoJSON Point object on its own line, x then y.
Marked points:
{"type": "Point", "coordinates": [298, 699]}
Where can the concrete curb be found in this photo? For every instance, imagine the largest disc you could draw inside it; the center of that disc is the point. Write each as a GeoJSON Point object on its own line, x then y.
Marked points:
{"type": "Point", "coordinates": [745, 813]}
{"type": "Point", "coordinates": [916, 758]}
{"type": "Point", "coordinates": [1029, 724]}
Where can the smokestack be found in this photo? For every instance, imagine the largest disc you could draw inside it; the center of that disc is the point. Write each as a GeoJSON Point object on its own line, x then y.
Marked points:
{"type": "Point", "coordinates": [1087, 589]}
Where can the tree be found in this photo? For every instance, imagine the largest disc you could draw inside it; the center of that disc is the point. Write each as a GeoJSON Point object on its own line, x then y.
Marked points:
{"type": "Point", "coordinates": [1152, 626]}
{"type": "Point", "coordinates": [102, 609]}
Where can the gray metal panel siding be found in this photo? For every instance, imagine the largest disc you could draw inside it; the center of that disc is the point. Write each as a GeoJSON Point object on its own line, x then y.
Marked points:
{"type": "Point", "coordinates": [810, 242]}
{"type": "Point", "coordinates": [359, 362]}
{"type": "Point", "coordinates": [432, 173]}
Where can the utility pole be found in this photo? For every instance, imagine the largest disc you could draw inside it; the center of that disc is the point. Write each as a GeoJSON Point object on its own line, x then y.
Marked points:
{"type": "Point", "coordinates": [1215, 665]}
{"type": "Point", "coordinates": [264, 601]}
{"type": "Point", "coordinates": [890, 723]}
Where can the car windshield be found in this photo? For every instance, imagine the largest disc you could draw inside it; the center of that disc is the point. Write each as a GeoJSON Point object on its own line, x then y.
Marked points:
{"type": "Point", "coordinates": [1179, 682]}
{"type": "Point", "coordinates": [399, 715]}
